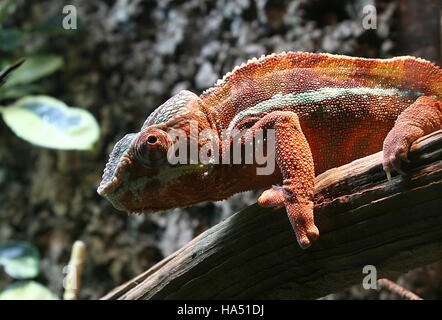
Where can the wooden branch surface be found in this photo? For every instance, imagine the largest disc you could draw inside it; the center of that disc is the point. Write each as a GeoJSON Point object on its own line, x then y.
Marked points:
{"type": "Point", "coordinates": [363, 220]}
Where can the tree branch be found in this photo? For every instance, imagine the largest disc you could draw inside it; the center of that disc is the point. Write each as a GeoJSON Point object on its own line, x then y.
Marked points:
{"type": "Point", "coordinates": [363, 219]}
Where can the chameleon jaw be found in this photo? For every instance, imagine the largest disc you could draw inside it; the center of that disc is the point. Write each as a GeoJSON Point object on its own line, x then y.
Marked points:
{"type": "Point", "coordinates": [119, 160]}
{"type": "Point", "coordinates": [110, 184]}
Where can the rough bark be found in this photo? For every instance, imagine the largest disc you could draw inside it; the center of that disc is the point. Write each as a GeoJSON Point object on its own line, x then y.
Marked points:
{"type": "Point", "coordinates": [363, 219]}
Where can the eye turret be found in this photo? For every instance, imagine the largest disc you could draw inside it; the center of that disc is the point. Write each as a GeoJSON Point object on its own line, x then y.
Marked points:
{"type": "Point", "coordinates": [151, 148]}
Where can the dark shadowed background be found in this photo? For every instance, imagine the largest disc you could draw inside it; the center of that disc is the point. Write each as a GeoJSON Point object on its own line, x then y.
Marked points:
{"type": "Point", "coordinates": [126, 58]}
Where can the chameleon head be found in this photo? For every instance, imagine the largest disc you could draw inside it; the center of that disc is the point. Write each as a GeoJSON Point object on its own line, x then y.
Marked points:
{"type": "Point", "coordinates": [138, 176]}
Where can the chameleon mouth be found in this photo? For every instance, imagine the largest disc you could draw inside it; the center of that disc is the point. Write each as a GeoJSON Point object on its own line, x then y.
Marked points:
{"type": "Point", "coordinates": [115, 167]}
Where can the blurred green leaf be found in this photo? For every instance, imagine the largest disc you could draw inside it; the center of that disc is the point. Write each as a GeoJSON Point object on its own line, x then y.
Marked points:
{"type": "Point", "coordinates": [50, 123]}
{"type": "Point", "coordinates": [34, 68]}
{"type": "Point", "coordinates": [27, 290]}
{"type": "Point", "coordinates": [18, 91]}
{"type": "Point", "coordinates": [8, 70]}
{"type": "Point", "coordinates": [9, 38]}
{"type": "Point", "coordinates": [19, 259]}
{"type": "Point", "coordinates": [4, 8]}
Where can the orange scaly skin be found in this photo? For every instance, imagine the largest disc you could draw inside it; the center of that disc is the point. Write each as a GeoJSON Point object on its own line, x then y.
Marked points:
{"type": "Point", "coordinates": [326, 110]}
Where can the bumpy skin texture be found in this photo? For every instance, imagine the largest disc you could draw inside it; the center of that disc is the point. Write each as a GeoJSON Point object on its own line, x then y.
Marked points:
{"type": "Point", "coordinates": [326, 110]}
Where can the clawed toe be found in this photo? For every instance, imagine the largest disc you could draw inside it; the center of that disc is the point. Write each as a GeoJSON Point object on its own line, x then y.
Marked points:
{"type": "Point", "coordinates": [395, 153]}
{"type": "Point", "coordinates": [301, 217]}
{"type": "Point", "coordinates": [273, 197]}
{"type": "Point", "coordinates": [300, 213]}
{"type": "Point", "coordinates": [388, 173]}
{"type": "Point", "coordinates": [308, 236]}
{"type": "Point", "coordinates": [394, 162]}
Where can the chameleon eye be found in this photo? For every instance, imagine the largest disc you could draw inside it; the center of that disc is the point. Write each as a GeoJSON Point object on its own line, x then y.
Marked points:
{"type": "Point", "coordinates": [152, 139]}
{"type": "Point", "coordinates": [151, 148]}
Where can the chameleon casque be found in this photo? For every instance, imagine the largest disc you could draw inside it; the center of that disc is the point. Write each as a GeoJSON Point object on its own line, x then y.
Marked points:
{"type": "Point", "coordinates": [326, 110]}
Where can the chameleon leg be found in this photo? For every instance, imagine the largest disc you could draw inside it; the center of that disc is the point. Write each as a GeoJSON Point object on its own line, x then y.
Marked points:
{"type": "Point", "coordinates": [294, 158]}
{"type": "Point", "coordinates": [422, 117]}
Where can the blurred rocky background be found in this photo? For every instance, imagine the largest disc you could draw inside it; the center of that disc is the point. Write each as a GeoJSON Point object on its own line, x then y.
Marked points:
{"type": "Point", "coordinates": [126, 58]}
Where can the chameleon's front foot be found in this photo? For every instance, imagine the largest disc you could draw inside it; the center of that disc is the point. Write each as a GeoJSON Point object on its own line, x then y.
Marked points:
{"type": "Point", "coordinates": [294, 158]}
{"type": "Point", "coordinates": [299, 211]}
